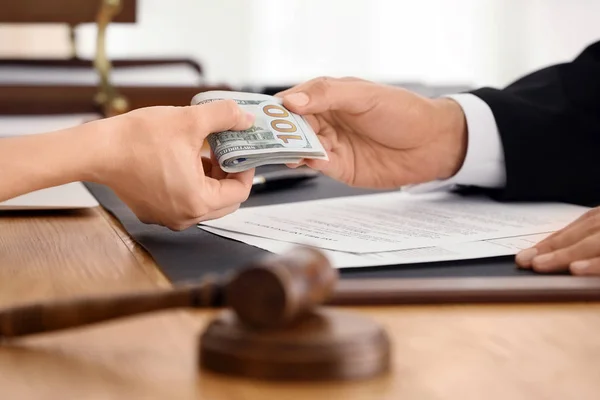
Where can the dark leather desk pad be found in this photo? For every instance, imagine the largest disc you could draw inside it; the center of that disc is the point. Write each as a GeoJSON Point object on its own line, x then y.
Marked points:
{"type": "Point", "coordinates": [192, 253]}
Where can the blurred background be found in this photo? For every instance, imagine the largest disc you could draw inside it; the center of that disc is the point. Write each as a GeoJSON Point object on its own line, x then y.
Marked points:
{"type": "Point", "coordinates": [164, 52]}
{"type": "Point", "coordinates": [281, 42]}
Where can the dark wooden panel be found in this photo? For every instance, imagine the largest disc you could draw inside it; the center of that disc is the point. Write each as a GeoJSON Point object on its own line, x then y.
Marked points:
{"type": "Point", "coordinates": [535, 289]}
{"type": "Point", "coordinates": [60, 11]}
{"type": "Point", "coordinates": [28, 100]}
{"type": "Point", "coordinates": [79, 63]}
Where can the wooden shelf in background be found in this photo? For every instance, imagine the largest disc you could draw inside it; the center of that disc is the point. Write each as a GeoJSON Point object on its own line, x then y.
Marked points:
{"type": "Point", "coordinates": [29, 100]}
{"type": "Point", "coordinates": [72, 12]}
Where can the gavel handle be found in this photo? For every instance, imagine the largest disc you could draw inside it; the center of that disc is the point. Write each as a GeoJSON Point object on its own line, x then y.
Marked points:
{"type": "Point", "coordinates": [46, 317]}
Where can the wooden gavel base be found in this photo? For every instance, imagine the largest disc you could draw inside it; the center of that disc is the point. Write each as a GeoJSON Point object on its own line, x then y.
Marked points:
{"type": "Point", "coordinates": [324, 345]}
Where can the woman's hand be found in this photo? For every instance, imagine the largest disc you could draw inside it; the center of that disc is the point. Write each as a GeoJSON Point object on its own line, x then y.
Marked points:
{"type": "Point", "coordinates": [150, 157]}
{"type": "Point", "coordinates": [575, 248]}
{"type": "Point", "coordinates": [155, 165]}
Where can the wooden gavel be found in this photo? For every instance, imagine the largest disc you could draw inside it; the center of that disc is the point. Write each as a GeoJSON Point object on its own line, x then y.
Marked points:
{"type": "Point", "coordinates": [269, 293]}
{"type": "Point", "coordinates": [273, 330]}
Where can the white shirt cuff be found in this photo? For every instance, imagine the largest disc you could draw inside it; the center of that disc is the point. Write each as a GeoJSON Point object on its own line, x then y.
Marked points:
{"type": "Point", "coordinates": [484, 163]}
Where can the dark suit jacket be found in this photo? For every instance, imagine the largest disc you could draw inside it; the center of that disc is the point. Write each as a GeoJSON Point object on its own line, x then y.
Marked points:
{"type": "Point", "coordinates": [549, 122]}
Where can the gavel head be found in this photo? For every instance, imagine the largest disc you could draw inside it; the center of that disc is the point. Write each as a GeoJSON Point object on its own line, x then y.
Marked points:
{"type": "Point", "coordinates": [277, 290]}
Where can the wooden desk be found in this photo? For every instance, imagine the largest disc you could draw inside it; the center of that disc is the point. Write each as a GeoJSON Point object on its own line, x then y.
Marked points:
{"type": "Point", "coordinates": [442, 352]}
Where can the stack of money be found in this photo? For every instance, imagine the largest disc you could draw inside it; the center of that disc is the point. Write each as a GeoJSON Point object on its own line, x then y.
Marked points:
{"type": "Point", "coordinates": [278, 135]}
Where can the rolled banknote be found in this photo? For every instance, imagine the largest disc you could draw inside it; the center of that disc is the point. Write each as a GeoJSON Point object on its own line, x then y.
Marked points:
{"type": "Point", "coordinates": [278, 135]}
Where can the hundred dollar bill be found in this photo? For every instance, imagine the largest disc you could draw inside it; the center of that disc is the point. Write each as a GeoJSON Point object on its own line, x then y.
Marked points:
{"type": "Point", "coordinates": [278, 135]}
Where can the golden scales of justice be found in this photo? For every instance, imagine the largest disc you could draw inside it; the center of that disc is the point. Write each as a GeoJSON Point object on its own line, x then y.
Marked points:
{"type": "Point", "coordinates": [108, 98]}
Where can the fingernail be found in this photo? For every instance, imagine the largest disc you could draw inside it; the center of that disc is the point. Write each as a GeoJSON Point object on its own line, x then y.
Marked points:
{"type": "Point", "coordinates": [543, 259]}
{"type": "Point", "coordinates": [525, 256]}
{"type": "Point", "coordinates": [297, 99]}
{"type": "Point", "coordinates": [249, 116]}
{"type": "Point", "coordinates": [580, 265]}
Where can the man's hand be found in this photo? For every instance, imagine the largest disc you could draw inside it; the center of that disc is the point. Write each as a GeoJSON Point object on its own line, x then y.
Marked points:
{"type": "Point", "coordinates": [155, 166]}
{"type": "Point", "coordinates": [575, 248]}
{"type": "Point", "coordinates": [380, 136]}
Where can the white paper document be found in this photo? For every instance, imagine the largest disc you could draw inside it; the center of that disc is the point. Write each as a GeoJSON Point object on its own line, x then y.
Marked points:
{"type": "Point", "coordinates": [459, 251]}
{"type": "Point", "coordinates": [71, 196]}
{"type": "Point", "coordinates": [397, 221]}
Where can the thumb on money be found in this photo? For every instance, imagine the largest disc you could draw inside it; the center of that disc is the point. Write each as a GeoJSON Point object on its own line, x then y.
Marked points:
{"type": "Point", "coordinates": [225, 115]}
{"type": "Point", "coordinates": [350, 95]}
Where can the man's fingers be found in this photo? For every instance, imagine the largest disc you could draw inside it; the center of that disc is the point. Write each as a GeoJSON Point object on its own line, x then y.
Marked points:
{"type": "Point", "coordinates": [337, 167]}
{"type": "Point", "coordinates": [560, 259]}
{"type": "Point", "coordinates": [222, 115]}
{"type": "Point", "coordinates": [558, 240]}
{"type": "Point", "coordinates": [294, 166]}
{"type": "Point", "coordinates": [334, 168]}
{"type": "Point", "coordinates": [564, 238]}
{"type": "Point", "coordinates": [326, 167]}
{"type": "Point", "coordinates": [300, 87]}
{"type": "Point", "coordinates": [314, 123]}
{"type": "Point", "coordinates": [582, 227]}
{"type": "Point", "coordinates": [325, 94]}
{"type": "Point", "coordinates": [586, 267]}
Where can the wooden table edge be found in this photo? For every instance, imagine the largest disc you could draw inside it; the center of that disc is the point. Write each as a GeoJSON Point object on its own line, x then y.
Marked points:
{"type": "Point", "coordinates": [519, 289]}
{"type": "Point", "coordinates": [398, 291]}
{"type": "Point", "coordinates": [142, 257]}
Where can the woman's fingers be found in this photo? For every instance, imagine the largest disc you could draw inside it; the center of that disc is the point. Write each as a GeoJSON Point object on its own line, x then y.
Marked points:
{"type": "Point", "coordinates": [217, 214]}
{"type": "Point", "coordinates": [222, 193]}
{"type": "Point", "coordinates": [220, 116]}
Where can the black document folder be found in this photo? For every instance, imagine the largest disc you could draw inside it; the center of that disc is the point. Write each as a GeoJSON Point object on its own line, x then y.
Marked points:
{"type": "Point", "coordinates": [188, 255]}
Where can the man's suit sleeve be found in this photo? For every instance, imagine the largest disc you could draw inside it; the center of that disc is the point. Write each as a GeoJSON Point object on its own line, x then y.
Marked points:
{"type": "Point", "coordinates": [549, 124]}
